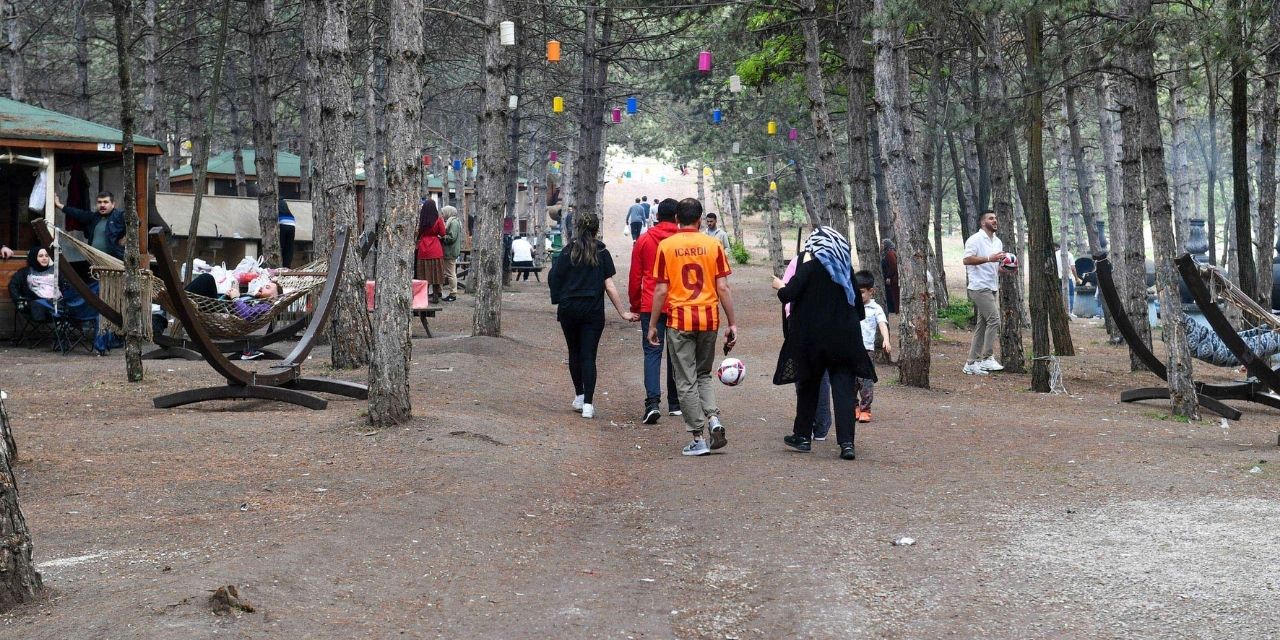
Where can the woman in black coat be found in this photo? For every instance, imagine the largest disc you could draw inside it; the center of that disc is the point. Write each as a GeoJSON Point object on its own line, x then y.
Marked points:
{"type": "Point", "coordinates": [824, 335]}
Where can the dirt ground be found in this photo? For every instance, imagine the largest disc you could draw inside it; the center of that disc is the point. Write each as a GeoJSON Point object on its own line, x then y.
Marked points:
{"type": "Point", "coordinates": [500, 513]}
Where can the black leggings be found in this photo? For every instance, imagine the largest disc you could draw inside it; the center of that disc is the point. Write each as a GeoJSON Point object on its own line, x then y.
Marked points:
{"type": "Point", "coordinates": [843, 392]}
{"type": "Point", "coordinates": [286, 245]}
{"type": "Point", "coordinates": [203, 285]}
{"type": "Point", "coordinates": [582, 336]}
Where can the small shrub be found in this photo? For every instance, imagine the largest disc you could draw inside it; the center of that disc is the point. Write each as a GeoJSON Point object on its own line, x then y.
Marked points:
{"type": "Point", "coordinates": [740, 253]}
{"type": "Point", "coordinates": [958, 313]}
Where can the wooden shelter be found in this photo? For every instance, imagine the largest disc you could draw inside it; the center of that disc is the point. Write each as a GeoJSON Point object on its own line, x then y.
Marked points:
{"type": "Point", "coordinates": [76, 158]}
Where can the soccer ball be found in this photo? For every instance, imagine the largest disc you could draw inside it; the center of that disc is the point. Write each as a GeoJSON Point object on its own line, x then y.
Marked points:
{"type": "Point", "coordinates": [1009, 264]}
{"type": "Point", "coordinates": [731, 372]}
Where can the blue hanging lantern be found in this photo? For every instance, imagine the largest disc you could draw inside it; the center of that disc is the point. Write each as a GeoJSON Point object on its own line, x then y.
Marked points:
{"type": "Point", "coordinates": [633, 105]}
{"type": "Point", "coordinates": [716, 116]}
{"type": "Point", "coordinates": [627, 174]}
{"type": "Point", "coordinates": [457, 165]}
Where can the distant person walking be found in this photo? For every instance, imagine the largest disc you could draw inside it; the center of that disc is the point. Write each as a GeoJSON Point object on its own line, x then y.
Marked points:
{"type": "Point", "coordinates": [522, 255]}
{"type": "Point", "coordinates": [692, 271]}
{"type": "Point", "coordinates": [636, 216]}
{"type": "Point", "coordinates": [452, 241]}
{"type": "Point", "coordinates": [580, 278]}
{"type": "Point", "coordinates": [889, 267]}
{"type": "Point", "coordinates": [983, 252]}
{"type": "Point", "coordinates": [714, 230]}
{"type": "Point", "coordinates": [288, 227]}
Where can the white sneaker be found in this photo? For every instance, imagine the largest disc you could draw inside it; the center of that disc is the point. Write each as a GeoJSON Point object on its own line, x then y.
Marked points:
{"type": "Point", "coordinates": [578, 402]}
{"type": "Point", "coordinates": [973, 369]}
{"type": "Point", "coordinates": [588, 410]}
{"type": "Point", "coordinates": [696, 447]}
{"type": "Point", "coordinates": [990, 364]}
{"type": "Point", "coordinates": [675, 412]}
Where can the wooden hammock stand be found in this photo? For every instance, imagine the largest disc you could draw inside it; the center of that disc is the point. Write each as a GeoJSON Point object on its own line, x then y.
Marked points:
{"type": "Point", "coordinates": [1208, 395]}
{"type": "Point", "coordinates": [169, 347]}
{"type": "Point", "coordinates": [287, 384]}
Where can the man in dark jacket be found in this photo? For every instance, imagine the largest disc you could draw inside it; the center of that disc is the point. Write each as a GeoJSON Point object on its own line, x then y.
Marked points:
{"type": "Point", "coordinates": [103, 227]}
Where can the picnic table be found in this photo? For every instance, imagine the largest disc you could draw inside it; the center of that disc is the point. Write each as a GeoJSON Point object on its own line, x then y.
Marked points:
{"type": "Point", "coordinates": [420, 305]}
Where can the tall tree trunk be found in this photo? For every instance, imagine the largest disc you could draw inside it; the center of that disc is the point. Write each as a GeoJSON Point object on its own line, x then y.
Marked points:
{"type": "Point", "coordinates": [967, 216]}
{"type": "Point", "coordinates": [900, 165]}
{"type": "Point", "coordinates": [333, 174]}
{"type": "Point", "coordinates": [940, 281]}
{"type": "Point", "coordinates": [1084, 170]}
{"type": "Point", "coordinates": [1133, 276]}
{"type": "Point", "coordinates": [261, 19]}
{"type": "Point", "coordinates": [14, 63]}
{"type": "Point", "coordinates": [702, 184]}
{"type": "Point", "coordinates": [1182, 390]}
{"type": "Point", "coordinates": [1180, 164]}
{"type": "Point", "coordinates": [735, 198]}
{"type": "Point", "coordinates": [134, 329]}
{"type": "Point", "coordinates": [1247, 271]}
{"type": "Point", "coordinates": [490, 209]}
{"type": "Point", "coordinates": [84, 108]}
{"type": "Point", "coordinates": [595, 73]}
{"type": "Point", "coordinates": [806, 192]}
{"type": "Point", "coordinates": [997, 128]}
{"type": "Point", "coordinates": [884, 216]}
{"type": "Point", "coordinates": [151, 88]}
{"type": "Point", "coordinates": [829, 169]}
{"type": "Point", "coordinates": [1044, 299]}
{"type": "Point", "coordinates": [1115, 200]}
{"type": "Point", "coordinates": [1267, 161]}
{"type": "Point", "coordinates": [1211, 162]}
{"type": "Point", "coordinates": [391, 348]}
{"type": "Point", "coordinates": [19, 580]}
{"type": "Point", "coordinates": [237, 132]}
{"type": "Point", "coordinates": [857, 119]}
{"type": "Point", "coordinates": [200, 150]}
{"type": "Point", "coordinates": [510, 184]}
{"type": "Point", "coordinates": [774, 223]}
{"type": "Point", "coordinates": [1065, 208]}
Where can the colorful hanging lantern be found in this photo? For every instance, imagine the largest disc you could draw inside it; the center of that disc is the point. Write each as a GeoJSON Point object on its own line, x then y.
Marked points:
{"type": "Point", "coordinates": [555, 156]}
{"type": "Point", "coordinates": [735, 84]}
{"type": "Point", "coordinates": [627, 174]}
{"type": "Point", "coordinates": [426, 160]}
{"type": "Point", "coordinates": [471, 163]}
{"type": "Point", "coordinates": [617, 115]}
{"type": "Point", "coordinates": [507, 33]}
{"type": "Point", "coordinates": [716, 116]}
{"type": "Point", "coordinates": [662, 179]}
{"type": "Point", "coordinates": [553, 51]}
{"type": "Point", "coordinates": [557, 104]}
{"type": "Point", "coordinates": [736, 148]}
{"type": "Point", "coordinates": [750, 171]}
{"type": "Point", "coordinates": [633, 105]}
{"type": "Point", "coordinates": [773, 186]}
{"type": "Point", "coordinates": [772, 128]}
{"type": "Point", "coordinates": [619, 179]}
{"type": "Point", "coordinates": [793, 134]}
{"type": "Point", "coordinates": [457, 165]}
{"type": "Point", "coordinates": [704, 62]}
{"type": "Point", "coordinates": [706, 172]}
{"type": "Point", "coordinates": [556, 165]}
{"type": "Point", "coordinates": [513, 102]}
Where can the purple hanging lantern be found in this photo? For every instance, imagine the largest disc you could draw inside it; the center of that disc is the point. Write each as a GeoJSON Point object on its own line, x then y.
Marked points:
{"type": "Point", "coordinates": [704, 62]}
{"type": "Point", "coordinates": [555, 156]}
{"type": "Point", "coordinates": [617, 115]}
{"type": "Point", "coordinates": [793, 134]}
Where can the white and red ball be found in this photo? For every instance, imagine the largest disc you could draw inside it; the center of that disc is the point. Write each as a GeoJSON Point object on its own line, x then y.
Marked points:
{"type": "Point", "coordinates": [1009, 263]}
{"type": "Point", "coordinates": [731, 372]}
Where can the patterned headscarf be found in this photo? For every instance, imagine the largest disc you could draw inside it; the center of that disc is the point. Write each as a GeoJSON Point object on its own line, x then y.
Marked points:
{"type": "Point", "coordinates": [832, 250]}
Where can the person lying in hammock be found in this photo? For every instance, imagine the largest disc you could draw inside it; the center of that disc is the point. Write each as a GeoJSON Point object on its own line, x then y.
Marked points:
{"type": "Point", "coordinates": [251, 306]}
{"type": "Point", "coordinates": [1207, 346]}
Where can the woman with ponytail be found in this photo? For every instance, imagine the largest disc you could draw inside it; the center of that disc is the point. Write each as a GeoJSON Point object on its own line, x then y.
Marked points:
{"type": "Point", "coordinates": [580, 277]}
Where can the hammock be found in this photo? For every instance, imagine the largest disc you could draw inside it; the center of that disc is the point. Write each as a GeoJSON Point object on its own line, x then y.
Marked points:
{"type": "Point", "coordinates": [1221, 287]}
{"type": "Point", "coordinates": [218, 315]}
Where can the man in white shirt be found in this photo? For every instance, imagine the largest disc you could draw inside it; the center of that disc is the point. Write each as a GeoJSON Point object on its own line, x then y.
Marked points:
{"type": "Point", "coordinates": [983, 252]}
{"type": "Point", "coordinates": [1075, 278]}
{"type": "Point", "coordinates": [521, 255]}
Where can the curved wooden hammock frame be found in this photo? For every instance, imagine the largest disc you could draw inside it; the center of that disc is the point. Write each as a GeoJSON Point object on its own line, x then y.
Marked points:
{"type": "Point", "coordinates": [285, 385]}
{"type": "Point", "coordinates": [1209, 395]}
{"type": "Point", "coordinates": [169, 346]}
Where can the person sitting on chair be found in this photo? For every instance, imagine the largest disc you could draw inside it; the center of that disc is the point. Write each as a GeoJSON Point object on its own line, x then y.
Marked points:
{"type": "Point", "coordinates": [53, 297]}
{"type": "Point", "coordinates": [42, 278]}
{"type": "Point", "coordinates": [1207, 346]}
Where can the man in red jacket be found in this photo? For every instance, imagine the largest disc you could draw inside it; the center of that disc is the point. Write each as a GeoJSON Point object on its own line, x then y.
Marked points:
{"type": "Point", "coordinates": [640, 289]}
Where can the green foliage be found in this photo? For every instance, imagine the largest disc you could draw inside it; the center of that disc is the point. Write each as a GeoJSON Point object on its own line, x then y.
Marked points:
{"type": "Point", "coordinates": [959, 313]}
{"type": "Point", "coordinates": [740, 253]}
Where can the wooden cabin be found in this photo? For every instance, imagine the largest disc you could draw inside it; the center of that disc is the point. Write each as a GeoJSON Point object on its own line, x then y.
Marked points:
{"type": "Point", "coordinates": [229, 227]}
{"type": "Point", "coordinates": [77, 158]}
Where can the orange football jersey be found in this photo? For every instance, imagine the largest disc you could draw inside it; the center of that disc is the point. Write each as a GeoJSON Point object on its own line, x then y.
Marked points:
{"type": "Point", "coordinates": [689, 263]}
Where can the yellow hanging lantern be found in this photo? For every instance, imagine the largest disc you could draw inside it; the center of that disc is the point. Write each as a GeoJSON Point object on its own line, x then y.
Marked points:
{"type": "Point", "coordinates": [706, 171]}
{"type": "Point", "coordinates": [773, 128]}
{"type": "Point", "coordinates": [619, 179]}
{"type": "Point", "coordinates": [557, 104]}
{"type": "Point", "coordinates": [773, 186]}
{"type": "Point", "coordinates": [471, 163]}
{"type": "Point", "coordinates": [553, 51]}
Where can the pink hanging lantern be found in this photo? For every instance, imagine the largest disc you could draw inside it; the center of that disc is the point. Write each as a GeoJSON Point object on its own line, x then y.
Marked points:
{"type": "Point", "coordinates": [704, 62]}
{"type": "Point", "coordinates": [617, 115]}
{"type": "Point", "coordinates": [793, 134]}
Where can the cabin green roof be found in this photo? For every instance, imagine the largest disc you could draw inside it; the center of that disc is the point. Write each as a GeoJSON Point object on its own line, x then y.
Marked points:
{"type": "Point", "coordinates": [22, 121]}
{"type": "Point", "coordinates": [288, 165]}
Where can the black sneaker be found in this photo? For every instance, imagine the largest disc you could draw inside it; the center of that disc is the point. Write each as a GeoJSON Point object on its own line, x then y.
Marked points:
{"type": "Point", "coordinates": [846, 452]}
{"type": "Point", "coordinates": [799, 443]}
{"type": "Point", "coordinates": [651, 414]}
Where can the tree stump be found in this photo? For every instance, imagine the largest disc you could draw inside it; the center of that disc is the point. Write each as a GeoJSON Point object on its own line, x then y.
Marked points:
{"type": "Point", "coordinates": [19, 580]}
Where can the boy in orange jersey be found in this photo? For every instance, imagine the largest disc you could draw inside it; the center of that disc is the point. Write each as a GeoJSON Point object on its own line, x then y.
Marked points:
{"type": "Point", "coordinates": [692, 275]}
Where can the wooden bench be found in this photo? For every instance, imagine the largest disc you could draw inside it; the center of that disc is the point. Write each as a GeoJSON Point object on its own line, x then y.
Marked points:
{"type": "Point", "coordinates": [423, 315]}
{"type": "Point", "coordinates": [535, 270]}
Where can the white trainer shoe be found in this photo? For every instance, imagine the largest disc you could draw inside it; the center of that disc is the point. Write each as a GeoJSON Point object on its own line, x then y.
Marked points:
{"type": "Point", "coordinates": [990, 364]}
{"type": "Point", "coordinates": [697, 447]}
{"type": "Point", "coordinates": [588, 410]}
{"type": "Point", "coordinates": [973, 369]}
{"type": "Point", "coordinates": [578, 402]}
